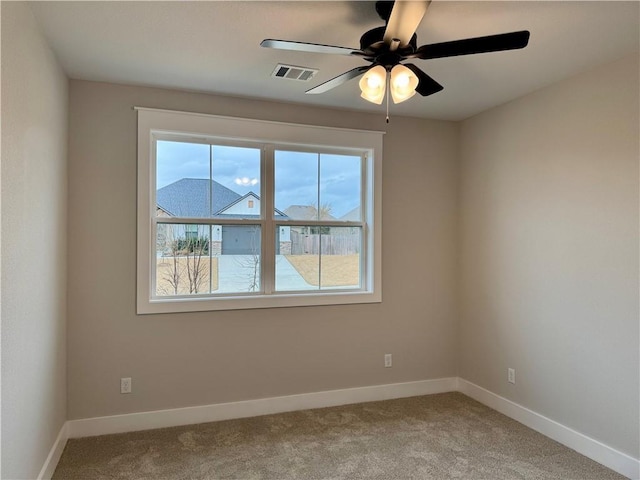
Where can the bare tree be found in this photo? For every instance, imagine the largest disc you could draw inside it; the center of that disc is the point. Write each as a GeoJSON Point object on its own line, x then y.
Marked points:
{"type": "Point", "coordinates": [196, 248]}
{"type": "Point", "coordinates": [320, 213]}
{"type": "Point", "coordinates": [170, 247]}
{"type": "Point", "coordinates": [254, 275]}
{"type": "Point", "coordinates": [184, 260]}
{"type": "Point", "coordinates": [173, 276]}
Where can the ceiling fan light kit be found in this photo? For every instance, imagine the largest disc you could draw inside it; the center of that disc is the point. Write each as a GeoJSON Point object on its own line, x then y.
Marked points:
{"type": "Point", "coordinates": [386, 48]}
{"type": "Point", "coordinates": [402, 85]}
{"type": "Point", "coordinates": [373, 84]}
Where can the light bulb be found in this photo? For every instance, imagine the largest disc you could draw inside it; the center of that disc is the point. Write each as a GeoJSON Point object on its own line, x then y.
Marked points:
{"type": "Point", "coordinates": [373, 81]}
{"type": "Point", "coordinates": [402, 80]}
{"type": "Point", "coordinates": [373, 84]}
{"type": "Point", "coordinates": [403, 83]}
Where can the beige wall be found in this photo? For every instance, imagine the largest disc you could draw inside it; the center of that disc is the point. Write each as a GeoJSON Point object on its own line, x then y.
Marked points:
{"type": "Point", "coordinates": [34, 203]}
{"type": "Point", "coordinates": [549, 252]}
{"type": "Point", "coordinates": [178, 360]}
{"type": "Point", "coordinates": [546, 277]}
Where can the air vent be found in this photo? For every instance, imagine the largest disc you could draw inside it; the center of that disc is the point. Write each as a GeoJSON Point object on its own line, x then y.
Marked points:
{"type": "Point", "coordinates": [294, 73]}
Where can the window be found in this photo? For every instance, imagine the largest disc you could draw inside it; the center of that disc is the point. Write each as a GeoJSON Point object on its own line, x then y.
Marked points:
{"type": "Point", "coordinates": [281, 215]}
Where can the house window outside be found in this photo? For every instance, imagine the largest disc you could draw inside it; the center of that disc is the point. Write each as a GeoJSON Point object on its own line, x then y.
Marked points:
{"type": "Point", "coordinates": [304, 232]}
{"type": "Point", "coordinates": [191, 232]}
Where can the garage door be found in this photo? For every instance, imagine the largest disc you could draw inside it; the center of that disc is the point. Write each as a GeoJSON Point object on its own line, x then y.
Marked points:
{"type": "Point", "coordinates": [240, 240]}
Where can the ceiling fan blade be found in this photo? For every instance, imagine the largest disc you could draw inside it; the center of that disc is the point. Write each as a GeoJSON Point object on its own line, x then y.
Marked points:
{"type": "Point", "coordinates": [339, 80]}
{"type": "Point", "coordinates": [426, 84]}
{"type": "Point", "coordinates": [309, 47]}
{"type": "Point", "coordinates": [468, 46]}
{"type": "Point", "coordinates": [404, 21]}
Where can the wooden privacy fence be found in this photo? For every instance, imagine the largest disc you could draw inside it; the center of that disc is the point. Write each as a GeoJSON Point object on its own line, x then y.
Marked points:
{"type": "Point", "coordinates": [302, 244]}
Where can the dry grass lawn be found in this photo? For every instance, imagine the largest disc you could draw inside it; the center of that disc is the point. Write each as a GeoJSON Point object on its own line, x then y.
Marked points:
{"type": "Point", "coordinates": [164, 275]}
{"type": "Point", "coordinates": [337, 270]}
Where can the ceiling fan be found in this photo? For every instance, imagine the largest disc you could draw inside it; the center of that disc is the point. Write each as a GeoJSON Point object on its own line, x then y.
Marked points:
{"type": "Point", "coordinates": [388, 47]}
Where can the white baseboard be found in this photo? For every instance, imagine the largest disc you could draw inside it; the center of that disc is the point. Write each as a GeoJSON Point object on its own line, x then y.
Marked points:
{"type": "Point", "coordinates": [53, 458]}
{"type": "Point", "coordinates": [587, 446]}
{"type": "Point", "coordinates": [252, 408]}
{"type": "Point", "coordinates": [591, 448]}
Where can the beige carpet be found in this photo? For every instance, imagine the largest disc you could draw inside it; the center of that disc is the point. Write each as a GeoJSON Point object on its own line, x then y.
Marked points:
{"type": "Point", "coordinates": [441, 436]}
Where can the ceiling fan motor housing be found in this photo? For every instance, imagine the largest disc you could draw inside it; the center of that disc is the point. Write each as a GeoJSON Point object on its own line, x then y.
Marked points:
{"type": "Point", "coordinates": [372, 43]}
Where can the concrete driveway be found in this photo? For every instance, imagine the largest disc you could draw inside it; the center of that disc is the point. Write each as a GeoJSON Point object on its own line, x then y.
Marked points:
{"type": "Point", "coordinates": [236, 274]}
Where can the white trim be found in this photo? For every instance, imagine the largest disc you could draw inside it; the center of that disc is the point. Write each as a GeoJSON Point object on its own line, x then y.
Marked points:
{"type": "Point", "coordinates": [55, 453]}
{"type": "Point", "coordinates": [252, 408]}
{"type": "Point", "coordinates": [153, 122]}
{"type": "Point", "coordinates": [587, 446]}
{"type": "Point", "coordinates": [226, 117]}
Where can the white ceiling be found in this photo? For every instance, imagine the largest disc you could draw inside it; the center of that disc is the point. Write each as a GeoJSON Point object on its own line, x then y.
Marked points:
{"type": "Point", "coordinates": [213, 46]}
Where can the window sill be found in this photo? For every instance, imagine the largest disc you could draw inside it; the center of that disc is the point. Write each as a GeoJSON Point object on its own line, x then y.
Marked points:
{"type": "Point", "coordinates": [249, 302]}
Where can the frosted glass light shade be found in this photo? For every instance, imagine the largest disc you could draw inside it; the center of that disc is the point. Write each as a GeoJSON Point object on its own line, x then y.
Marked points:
{"type": "Point", "coordinates": [403, 83]}
{"type": "Point", "coordinates": [373, 84]}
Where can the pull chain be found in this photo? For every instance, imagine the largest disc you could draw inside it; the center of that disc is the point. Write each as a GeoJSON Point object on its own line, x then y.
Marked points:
{"type": "Point", "coordinates": [387, 95]}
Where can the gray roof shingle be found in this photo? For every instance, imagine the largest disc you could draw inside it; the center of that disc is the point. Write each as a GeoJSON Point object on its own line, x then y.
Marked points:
{"type": "Point", "coordinates": [190, 197]}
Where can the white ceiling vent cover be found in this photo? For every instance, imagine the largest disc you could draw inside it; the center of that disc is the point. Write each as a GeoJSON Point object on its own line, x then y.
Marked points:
{"type": "Point", "coordinates": [294, 73]}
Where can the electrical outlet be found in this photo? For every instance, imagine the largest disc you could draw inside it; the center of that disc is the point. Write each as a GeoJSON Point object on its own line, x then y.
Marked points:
{"type": "Point", "coordinates": [511, 375]}
{"type": "Point", "coordinates": [387, 360]}
{"type": "Point", "coordinates": [125, 385]}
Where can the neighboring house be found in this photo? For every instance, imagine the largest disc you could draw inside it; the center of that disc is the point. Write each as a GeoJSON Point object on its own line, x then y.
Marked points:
{"type": "Point", "coordinates": [191, 197]}
{"type": "Point", "coordinates": [308, 212]}
{"type": "Point", "coordinates": [335, 240]}
{"type": "Point", "coordinates": [204, 198]}
{"type": "Point", "coordinates": [352, 215]}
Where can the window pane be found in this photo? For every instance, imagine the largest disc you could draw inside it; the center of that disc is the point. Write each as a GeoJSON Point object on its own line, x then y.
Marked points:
{"type": "Point", "coordinates": [297, 264]}
{"type": "Point", "coordinates": [340, 257]}
{"type": "Point", "coordinates": [296, 184]}
{"type": "Point", "coordinates": [238, 253]}
{"type": "Point", "coordinates": [197, 259]}
{"type": "Point", "coordinates": [185, 187]}
{"type": "Point", "coordinates": [340, 184]}
{"type": "Point", "coordinates": [236, 182]}
{"type": "Point", "coordinates": [183, 262]}
{"type": "Point", "coordinates": [317, 257]}
{"type": "Point", "coordinates": [182, 179]}
{"type": "Point", "coordinates": [312, 186]}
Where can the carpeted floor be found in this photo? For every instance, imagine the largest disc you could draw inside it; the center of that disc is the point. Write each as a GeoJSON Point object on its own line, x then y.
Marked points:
{"type": "Point", "coordinates": [443, 436]}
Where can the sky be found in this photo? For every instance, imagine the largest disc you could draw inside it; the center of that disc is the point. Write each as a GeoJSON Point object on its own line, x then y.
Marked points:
{"type": "Point", "coordinates": [301, 178]}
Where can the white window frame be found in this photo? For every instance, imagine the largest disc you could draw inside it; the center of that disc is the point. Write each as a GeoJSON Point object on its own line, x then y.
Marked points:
{"type": "Point", "coordinates": [154, 123]}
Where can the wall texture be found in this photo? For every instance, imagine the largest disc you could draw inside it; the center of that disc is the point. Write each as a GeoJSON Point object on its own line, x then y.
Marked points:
{"type": "Point", "coordinates": [178, 360]}
{"type": "Point", "coordinates": [34, 205]}
{"type": "Point", "coordinates": [549, 252]}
